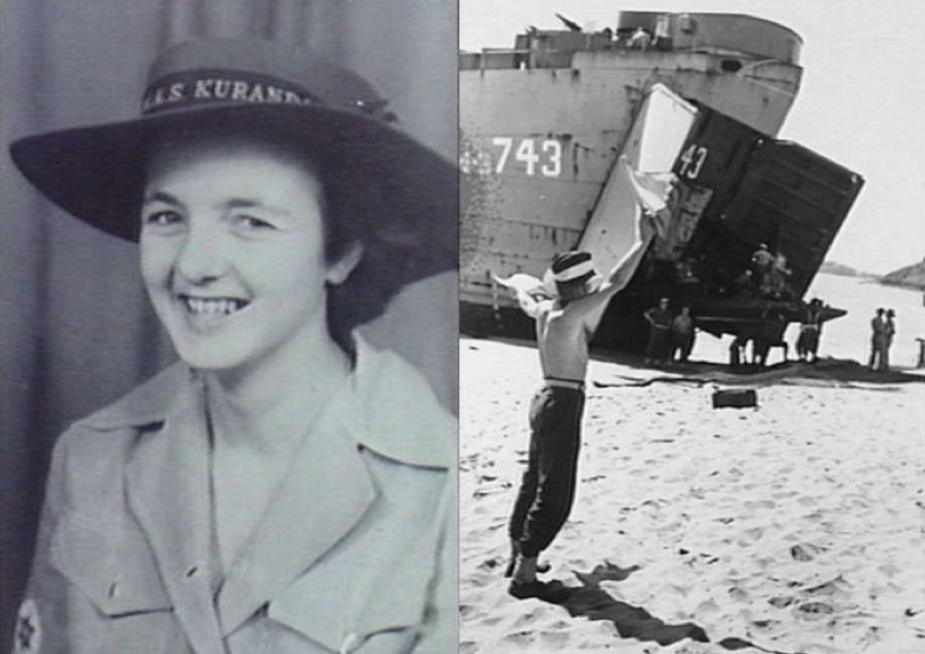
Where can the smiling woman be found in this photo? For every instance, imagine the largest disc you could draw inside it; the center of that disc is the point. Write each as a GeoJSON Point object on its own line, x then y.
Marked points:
{"type": "Point", "coordinates": [232, 255]}
{"type": "Point", "coordinates": [285, 487]}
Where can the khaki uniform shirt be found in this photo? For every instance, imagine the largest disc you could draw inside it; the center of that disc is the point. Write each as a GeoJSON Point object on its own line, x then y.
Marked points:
{"type": "Point", "coordinates": [355, 553]}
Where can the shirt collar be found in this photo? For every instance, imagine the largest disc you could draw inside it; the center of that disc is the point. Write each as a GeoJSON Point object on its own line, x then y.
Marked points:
{"type": "Point", "coordinates": [392, 408]}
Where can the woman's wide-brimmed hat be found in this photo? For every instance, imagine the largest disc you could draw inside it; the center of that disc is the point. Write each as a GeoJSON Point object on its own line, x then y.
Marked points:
{"type": "Point", "coordinates": [408, 225]}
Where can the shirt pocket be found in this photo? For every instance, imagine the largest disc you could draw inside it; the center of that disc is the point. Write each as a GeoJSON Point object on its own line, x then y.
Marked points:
{"type": "Point", "coordinates": [387, 621]}
{"type": "Point", "coordinates": [117, 600]}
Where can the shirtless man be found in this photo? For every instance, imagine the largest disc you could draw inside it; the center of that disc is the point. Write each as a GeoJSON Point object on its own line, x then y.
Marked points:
{"type": "Point", "coordinates": [564, 327]}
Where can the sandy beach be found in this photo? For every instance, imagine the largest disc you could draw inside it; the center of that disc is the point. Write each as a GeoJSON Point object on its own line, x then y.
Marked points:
{"type": "Point", "coordinates": [795, 526]}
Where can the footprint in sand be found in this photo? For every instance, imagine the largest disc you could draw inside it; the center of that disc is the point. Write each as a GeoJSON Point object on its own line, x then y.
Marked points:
{"type": "Point", "coordinates": [738, 594]}
{"type": "Point", "coordinates": [836, 587]}
{"type": "Point", "coordinates": [766, 562]}
{"type": "Point", "coordinates": [481, 580]}
{"type": "Point", "coordinates": [521, 639]}
{"type": "Point", "coordinates": [806, 551]}
{"type": "Point", "coordinates": [467, 611]}
{"type": "Point", "coordinates": [871, 637]}
{"type": "Point", "coordinates": [755, 533]}
{"type": "Point", "coordinates": [493, 563]}
{"type": "Point", "coordinates": [814, 610]}
{"type": "Point", "coordinates": [554, 641]}
{"type": "Point", "coordinates": [766, 627]}
{"type": "Point", "coordinates": [529, 618]}
{"type": "Point", "coordinates": [707, 607]}
{"type": "Point", "coordinates": [492, 620]}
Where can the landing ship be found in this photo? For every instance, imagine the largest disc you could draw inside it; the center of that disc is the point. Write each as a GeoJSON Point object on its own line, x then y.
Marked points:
{"type": "Point", "coordinates": [570, 136]}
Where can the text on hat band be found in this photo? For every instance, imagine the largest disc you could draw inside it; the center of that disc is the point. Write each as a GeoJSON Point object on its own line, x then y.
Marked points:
{"type": "Point", "coordinates": [186, 89]}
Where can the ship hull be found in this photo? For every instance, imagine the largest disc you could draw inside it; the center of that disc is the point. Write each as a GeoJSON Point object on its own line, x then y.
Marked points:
{"type": "Point", "coordinates": [540, 147]}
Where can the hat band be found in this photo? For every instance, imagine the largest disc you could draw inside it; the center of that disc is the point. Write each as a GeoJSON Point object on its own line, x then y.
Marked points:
{"type": "Point", "coordinates": [574, 272]}
{"type": "Point", "coordinates": [199, 87]}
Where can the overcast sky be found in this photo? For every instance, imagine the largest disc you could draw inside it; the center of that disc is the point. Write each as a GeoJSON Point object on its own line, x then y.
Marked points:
{"type": "Point", "coordinates": [862, 100]}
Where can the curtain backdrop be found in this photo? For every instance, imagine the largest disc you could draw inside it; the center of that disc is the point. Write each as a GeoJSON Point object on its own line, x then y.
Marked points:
{"type": "Point", "coordinates": [75, 330]}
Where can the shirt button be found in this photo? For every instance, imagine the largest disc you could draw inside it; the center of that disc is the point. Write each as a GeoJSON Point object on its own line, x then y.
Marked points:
{"type": "Point", "coordinates": [113, 590]}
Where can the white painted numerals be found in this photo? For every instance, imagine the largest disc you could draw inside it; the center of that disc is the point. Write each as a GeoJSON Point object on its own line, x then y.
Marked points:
{"type": "Point", "coordinates": [536, 155]}
{"type": "Point", "coordinates": [692, 161]}
{"type": "Point", "coordinates": [527, 154]}
{"type": "Point", "coordinates": [553, 165]}
{"type": "Point", "coordinates": [505, 144]}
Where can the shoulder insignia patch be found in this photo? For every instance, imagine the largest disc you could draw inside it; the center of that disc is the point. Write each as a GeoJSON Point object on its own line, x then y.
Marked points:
{"type": "Point", "coordinates": [27, 637]}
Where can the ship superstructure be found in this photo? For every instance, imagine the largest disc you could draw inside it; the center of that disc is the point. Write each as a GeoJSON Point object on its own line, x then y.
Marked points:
{"type": "Point", "coordinates": [562, 133]}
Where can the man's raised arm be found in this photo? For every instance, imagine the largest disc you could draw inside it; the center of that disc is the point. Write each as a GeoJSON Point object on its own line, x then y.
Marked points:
{"type": "Point", "coordinates": [527, 289]}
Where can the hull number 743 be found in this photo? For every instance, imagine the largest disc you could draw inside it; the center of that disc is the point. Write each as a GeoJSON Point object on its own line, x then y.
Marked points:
{"type": "Point", "coordinates": [538, 156]}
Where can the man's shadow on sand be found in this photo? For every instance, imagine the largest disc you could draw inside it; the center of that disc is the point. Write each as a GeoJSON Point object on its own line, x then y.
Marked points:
{"type": "Point", "coordinates": [590, 601]}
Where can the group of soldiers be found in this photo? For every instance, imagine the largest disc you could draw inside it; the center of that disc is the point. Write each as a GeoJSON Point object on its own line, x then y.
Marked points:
{"type": "Point", "coordinates": [883, 329]}
{"type": "Point", "coordinates": [671, 336]}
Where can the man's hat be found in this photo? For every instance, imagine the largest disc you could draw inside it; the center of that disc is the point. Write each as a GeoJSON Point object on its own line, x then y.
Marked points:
{"type": "Point", "coordinates": [572, 272]}
{"type": "Point", "coordinates": [264, 88]}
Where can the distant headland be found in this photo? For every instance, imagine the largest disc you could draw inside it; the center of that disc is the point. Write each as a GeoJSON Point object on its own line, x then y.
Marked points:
{"type": "Point", "coordinates": [912, 276]}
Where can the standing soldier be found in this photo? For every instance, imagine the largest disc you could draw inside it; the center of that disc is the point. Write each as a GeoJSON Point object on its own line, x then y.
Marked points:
{"type": "Point", "coordinates": [810, 331]}
{"type": "Point", "coordinates": [682, 335]}
{"type": "Point", "coordinates": [877, 326]}
{"type": "Point", "coordinates": [659, 319]}
{"type": "Point", "coordinates": [889, 330]}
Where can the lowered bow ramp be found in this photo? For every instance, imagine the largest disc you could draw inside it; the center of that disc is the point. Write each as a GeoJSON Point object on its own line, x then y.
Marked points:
{"type": "Point", "coordinates": [640, 180]}
{"type": "Point", "coordinates": [796, 199]}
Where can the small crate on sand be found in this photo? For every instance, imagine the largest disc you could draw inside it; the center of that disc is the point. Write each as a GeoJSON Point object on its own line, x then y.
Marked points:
{"type": "Point", "coordinates": [736, 398]}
